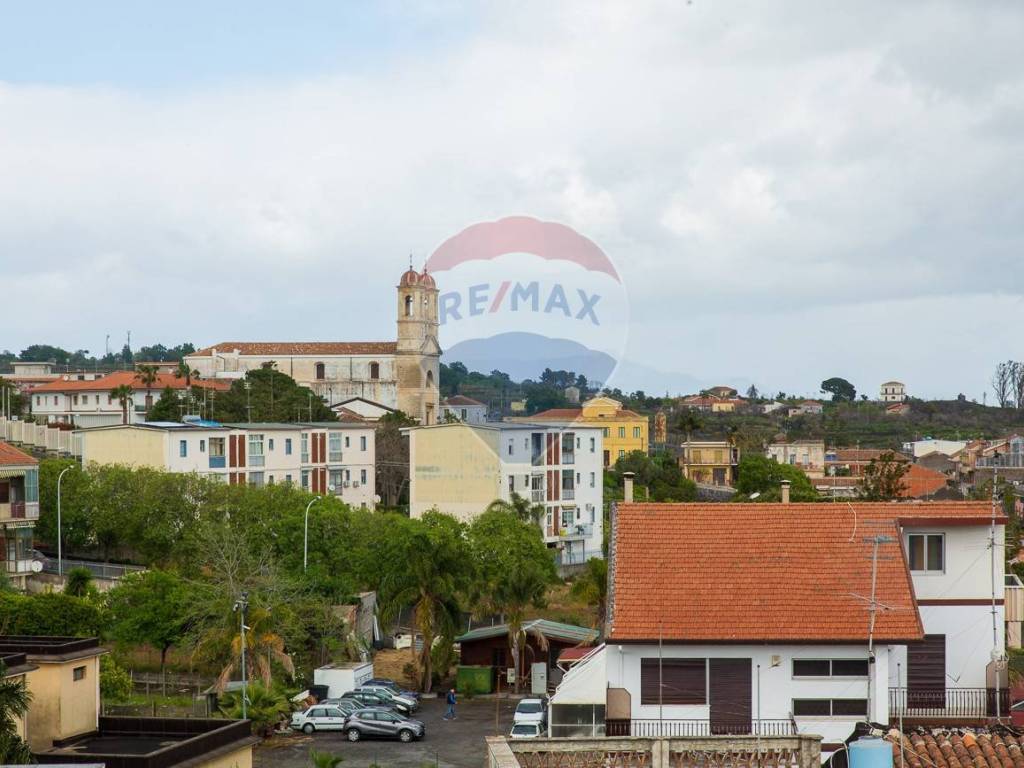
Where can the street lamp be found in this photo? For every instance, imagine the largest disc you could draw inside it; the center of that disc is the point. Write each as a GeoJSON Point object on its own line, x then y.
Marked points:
{"type": "Point", "coordinates": [305, 534]}
{"type": "Point", "coordinates": [60, 551]}
{"type": "Point", "coordinates": [241, 604]}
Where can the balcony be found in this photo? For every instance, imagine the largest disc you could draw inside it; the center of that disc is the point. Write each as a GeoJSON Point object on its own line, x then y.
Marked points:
{"type": "Point", "coordinates": [691, 728]}
{"type": "Point", "coordinates": [18, 567]}
{"type": "Point", "coordinates": [568, 494]}
{"type": "Point", "coordinates": [937, 704]}
{"type": "Point", "coordinates": [569, 458]}
{"type": "Point", "coordinates": [20, 510]}
{"type": "Point", "coordinates": [217, 462]}
{"type": "Point", "coordinates": [537, 495]}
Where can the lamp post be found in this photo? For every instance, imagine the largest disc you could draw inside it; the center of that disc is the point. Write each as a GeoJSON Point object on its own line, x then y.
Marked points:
{"type": "Point", "coordinates": [305, 534]}
{"type": "Point", "coordinates": [60, 551]}
{"type": "Point", "coordinates": [241, 604]}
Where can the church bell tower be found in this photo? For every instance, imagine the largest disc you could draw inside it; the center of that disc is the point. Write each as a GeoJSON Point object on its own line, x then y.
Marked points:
{"type": "Point", "coordinates": [418, 354]}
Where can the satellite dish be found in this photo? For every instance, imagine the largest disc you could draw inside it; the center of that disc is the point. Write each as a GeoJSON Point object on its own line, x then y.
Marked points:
{"type": "Point", "coordinates": [754, 495]}
{"type": "Point", "coordinates": [376, 498]}
{"type": "Point", "coordinates": [330, 488]}
{"type": "Point", "coordinates": [36, 567]}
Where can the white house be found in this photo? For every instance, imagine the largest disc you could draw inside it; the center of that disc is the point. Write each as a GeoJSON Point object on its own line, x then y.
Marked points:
{"type": "Point", "coordinates": [807, 455]}
{"type": "Point", "coordinates": [920, 448]}
{"type": "Point", "coordinates": [464, 409]}
{"type": "Point", "coordinates": [748, 618]}
{"type": "Point", "coordinates": [892, 392]}
{"type": "Point", "coordinates": [327, 457]}
{"type": "Point", "coordinates": [461, 468]}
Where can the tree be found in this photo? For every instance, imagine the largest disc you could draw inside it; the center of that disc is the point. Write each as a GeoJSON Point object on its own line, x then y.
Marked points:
{"type": "Point", "coordinates": [764, 476]}
{"type": "Point", "coordinates": [123, 394]}
{"type": "Point", "coordinates": [591, 586]}
{"type": "Point", "coordinates": [435, 569]}
{"type": "Point", "coordinates": [167, 408]}
{"type": "Point", "coordinates": [840, 389]}
{"type": "Point", "coordinates": [689, 422]}
{"type": "Point", "coordinates": [79, 582]}
{"type": "Point", "coordinates": [126, 355]}
{"type": "Point", "coordinates": [266, 707]}
{"type": "Point", "coordinates": [519, 508]}
{"type": "Point", "coordinates": [514, 571]}
{"type": "Point", "coordinates": [44, 353]}
{"type": "Point", "coordinates": [658, 478]}
{"type": "Point", "coordinates": [1003, 383]}
{"type": "Point", "coordinates": [148, 374]}
{"type": "Point", "coordinates": [272, 396]}
{"type": "Point", "coordinates": [149, 607]}
{"type": "Point", "coordinates": [752, 393]}
{"type": "Point", "coordinates": [392, 449]}
{"type": "Point", "coordinates": [883, 478]}
{"type": "Point", "coordinates": [14, 702]}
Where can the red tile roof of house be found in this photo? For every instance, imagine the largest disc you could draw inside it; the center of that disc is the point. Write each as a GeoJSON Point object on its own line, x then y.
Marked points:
{"type": "Point", "coordinates": [765, 572]}
{"type": "Point", "coordinates": [574, 654]}
{"type": "Point", "coordinates": [263, 348]}
{"type": "Point", "coordinates": [12, 457]}
{"type": "Point", "coordinates": [461, 400]}
{"type": "Point", "coordinates": [956, 748]}
{"type": "Point", "coordinates": [132, 379]}
{"type": "Point", "coordinates": [921, 482]}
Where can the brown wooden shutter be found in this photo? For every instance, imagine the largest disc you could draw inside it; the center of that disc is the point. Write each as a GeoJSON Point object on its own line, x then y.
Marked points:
{"type": "Point", "coordinates": [926, 672]}
{"type": "Point", "coordinates": [241, 450]}
{"type": "Point", "coordinates": [731, 693]}
{"type": "Point", "coordinates": [683, 681]}
{"type": "Point", "coordinates": [232, 452]}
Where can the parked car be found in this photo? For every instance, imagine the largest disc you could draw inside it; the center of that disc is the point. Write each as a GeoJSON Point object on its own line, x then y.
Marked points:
{"type": "Point", "coordinates": [400, 701]}
{"type": "Point", "coordinates": [369, 699]}
{"type": "Point", "coordinates": [319, 717]}
{"type": "Point", "coordinates": [379, 722]}
{"type": "Point", "coordinates": [393, 687]}
{"type": "Point", "coordinates": [348, 706]}
{"type": "Point", "coordinates": [527, 731]}
{"type": "Point", "coordinates": [531, 711]}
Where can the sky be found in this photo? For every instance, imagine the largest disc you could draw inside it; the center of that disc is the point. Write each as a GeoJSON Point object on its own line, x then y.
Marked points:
{"type": "Point", "coordinates": [790, 190]}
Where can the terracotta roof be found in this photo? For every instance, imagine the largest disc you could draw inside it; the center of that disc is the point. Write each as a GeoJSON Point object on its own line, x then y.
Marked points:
{"type": "Point", "coordinates": [957, 748]}
{"type": "Point", "coordinates": [764, 572]}
{"type": "Point", "coordinates": [292, 348]}
{"type": "Point", "coordinates": [12, 457]}
{"type": "Point", "coordinates": [460, 400]}
{"type": "Point", "coordinates": [132, 379]}
{"type": "Point", "coordinates": [345, 415]}
{"type": "Point", "coordinates": [575, 654]}
{"type": "Point", "coordinates": [921, 482]}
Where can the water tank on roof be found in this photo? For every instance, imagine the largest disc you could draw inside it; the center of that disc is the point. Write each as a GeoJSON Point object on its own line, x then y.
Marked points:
{"type": "Point", "coordinates": [870, 752]}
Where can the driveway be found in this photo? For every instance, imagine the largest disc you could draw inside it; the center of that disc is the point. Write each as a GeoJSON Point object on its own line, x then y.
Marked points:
{"type": "Point", "coordinates": [448, 744]}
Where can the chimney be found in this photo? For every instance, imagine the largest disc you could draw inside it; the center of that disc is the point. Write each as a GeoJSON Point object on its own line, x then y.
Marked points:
{"type": "Point", "coordinates": [785, 491]}
{"type": "Point", "coordinates": [627, 494]}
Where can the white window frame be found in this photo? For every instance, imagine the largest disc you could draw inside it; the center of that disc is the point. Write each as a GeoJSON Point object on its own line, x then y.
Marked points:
{"type": "Point", "coordinates": [926, 535]}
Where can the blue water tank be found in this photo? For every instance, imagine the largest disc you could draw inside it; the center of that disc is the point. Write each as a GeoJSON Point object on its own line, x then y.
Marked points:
{"type": "Point", "coordinates": [870, 752]}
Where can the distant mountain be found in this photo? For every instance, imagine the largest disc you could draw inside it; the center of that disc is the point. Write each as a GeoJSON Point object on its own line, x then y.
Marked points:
{"type": "Point", "coordinates": [526, 355]}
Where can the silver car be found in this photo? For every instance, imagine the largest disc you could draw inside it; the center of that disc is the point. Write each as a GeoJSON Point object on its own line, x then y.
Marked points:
{"type": "Point", "coordinates": [382, 723]}
{"type": "Point", "coordinates": [319, 717]}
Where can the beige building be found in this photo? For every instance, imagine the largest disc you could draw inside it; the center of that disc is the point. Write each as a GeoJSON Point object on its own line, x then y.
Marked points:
{"type": "Point", "coordinates": [709, 462]}
{"type": "Point", "coordinates": [806, 455]}
{"type": "Point", "coordinates": [400, 374]}
{"type": "Point", "coordinates": [893, 392]}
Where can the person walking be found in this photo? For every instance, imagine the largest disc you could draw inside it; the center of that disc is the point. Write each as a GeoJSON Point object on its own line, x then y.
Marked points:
{"type": "Point", "coordinates": [449, 713]}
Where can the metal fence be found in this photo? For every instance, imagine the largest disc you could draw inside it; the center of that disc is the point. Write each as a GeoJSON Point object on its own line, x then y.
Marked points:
{"type": "Point", "coordinates": [99, 570]}
{"type": "Point", "coordinates": [947, 703]}
{"type": "Point", "coordinates": [690, 728]}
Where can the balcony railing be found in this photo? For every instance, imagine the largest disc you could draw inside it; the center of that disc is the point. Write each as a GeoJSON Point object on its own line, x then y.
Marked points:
{"type": "Point", "coordinates": [1008, 461]}
{"type": "Point", "coordinates": [684, 728]}
{"type": "Point", "coordinates": [537, 495]}
{"type": "Point", "coordinates": [568, 458]}
{"type": "Point", "coordinates": [568, 494]}
{"type": "Point", "coordinates": [948, 703]}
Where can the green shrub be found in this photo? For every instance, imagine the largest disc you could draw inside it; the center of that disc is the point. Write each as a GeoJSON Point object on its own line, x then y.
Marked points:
{"type": "Point", "coordinates": [115, 682]}
{"type": "Point", "coordinates": [50, 613]}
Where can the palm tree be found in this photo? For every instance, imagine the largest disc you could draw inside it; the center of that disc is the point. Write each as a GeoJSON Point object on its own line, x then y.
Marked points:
{"type": "Point", "coordinates": [265, 707]}
{"type": "Point", "coordinates": [122, 393]}
{"type": "Point", "coordinates": [690, 422]}
{"type": "Point", "coordinates": [519, 507]}
{"type": "Point", "coordinates": [79, 582]}
{"type": "Point", "coordinates": [591, 586]}
{"type": "Point", "coordinates": [14, 702]}
{"type": "Point", "coordinates": [516, 594]}
{"type": "Point", "coordinates": [148, 374]}
{"type": "Point", "coordinates": [262, 647]}
{"type": "Point", "coordinates": [324, 759]}
{"type": "Point", "coordinates": [186, 373]}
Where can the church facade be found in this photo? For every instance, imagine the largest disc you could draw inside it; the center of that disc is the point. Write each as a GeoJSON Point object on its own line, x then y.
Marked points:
{"type": "Point", "coordinates": [400, 374]}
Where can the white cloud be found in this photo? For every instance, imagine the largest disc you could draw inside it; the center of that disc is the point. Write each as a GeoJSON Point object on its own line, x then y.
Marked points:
{"type": "Point", "coordinates": [795, 177]}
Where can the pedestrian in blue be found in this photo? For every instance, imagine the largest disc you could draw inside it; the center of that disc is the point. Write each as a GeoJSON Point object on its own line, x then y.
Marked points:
{"type": "Point", "coordinates": [450, 699]}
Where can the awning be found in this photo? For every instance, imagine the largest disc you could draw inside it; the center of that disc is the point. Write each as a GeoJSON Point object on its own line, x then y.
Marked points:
{"type": "Point", "coordinates": [12, 472]}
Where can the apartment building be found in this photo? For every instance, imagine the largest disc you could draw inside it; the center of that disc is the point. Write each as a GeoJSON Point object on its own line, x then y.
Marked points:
{"type": "Point", "coordinates": [699, 643]}
{"type": "Point", "coordinates": [892, 392]}
{"type": "Point", "coordinates": [623, 431]}
{"type": "Point", "coordinates": [19, 510]}
{"type": "Point", "coordinates": [323, 457]}
{"type": "Point", "coordinates": [88, 402]}
{"type": "Point", "coordinates": [709, 462]}
{"type": "Point", "coordinates": [806, 455]}
{"type": "Point", "coordinates": [461, 468]}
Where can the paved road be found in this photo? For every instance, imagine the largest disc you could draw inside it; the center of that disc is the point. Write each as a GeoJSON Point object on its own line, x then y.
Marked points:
{"type": "Point", "coordinates": [453, 744]}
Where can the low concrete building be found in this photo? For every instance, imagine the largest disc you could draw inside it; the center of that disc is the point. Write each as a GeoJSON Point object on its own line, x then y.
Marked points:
{"type": "Point", "coordinates": [806, 455]}
{"type": "Point", "coordinates": [464, 409]}
{"type": "Point", "coordinates": [710, 462]}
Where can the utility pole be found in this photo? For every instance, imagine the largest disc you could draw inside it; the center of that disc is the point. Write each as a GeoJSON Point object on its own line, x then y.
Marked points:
{"type": "Point", "coordinates": [997, 652]}
{"type": "Point", "coordinates": [241, 605]}
{"type": "Point", "coordinates": [875, 541]}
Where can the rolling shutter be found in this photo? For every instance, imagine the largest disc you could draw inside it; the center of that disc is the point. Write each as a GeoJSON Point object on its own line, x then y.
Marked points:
{"type": "Point", "coordinates": [683, 681]}
{"type": "Point", "coordinates": [731, 693]}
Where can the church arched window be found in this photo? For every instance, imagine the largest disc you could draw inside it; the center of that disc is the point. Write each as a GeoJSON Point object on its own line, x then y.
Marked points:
{"type": "Point", "coordinates": [430, 378]}
{"type": "Point", "coordinates": [321, 372]}
{"type": "Point", "coordinates": [375, 370]}
{"type": "Point", "coordinates": [408, 306]}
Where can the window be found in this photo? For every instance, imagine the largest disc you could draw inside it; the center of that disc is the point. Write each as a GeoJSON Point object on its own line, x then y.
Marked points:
{"type": "Point", "coordinates": [304, 448]}
{"type": "Point", "coordinates": [347, 441]}
{"type": "Point", "coordinates": [636, 431]}
{"type": "Point", "coordinates": [375, 370]}
{"type": "Point", "coordinates": [408, 306]}
{"type": "Point", "coordinates": [830, 707]}
{"type": "Point", "coordinates": [202, 446]}
{"type": "Point", "coordinates": [334, 446]}
{"type": "Point", "coordinates": [287, 446]}
{"type": "Point", "coordinates": [256, 451]}
{"type": "Point", "coordinates": [39, 400]}
{"type": "Point", "coordinates": [605, 431]}
{"type": "Point", "coordinates": [109, 400]}
{"type": "Point", "coordinates": [362, 476]}
{"type": "Point", "coordinates": [622, 431]}
{"type": "Point", "coordinates": [78, 673]}
{"type": "Point", "coordinates": [320, 372]}
{"type": "Point", "coordinates": [593, 444]}
{"type": "Point", "coordinates": [336, 479]}
{"type": "Point", "coordinates": [683, 681]}
{"type": "Point", "coordinates": [926, 552]}
{"type": "Point", "coordinates": [305, 478]}
{"type": "Point", "coordinates": [183, 448]}
{"type": "Point", "coordinates": [85, 399]}
{"type": "Point", "coordinates": [509, 447]}
{"type": "Point", "coordinates": [216, 446]}
{"type": "Point", "coordinates": [256, 479]}
{"type": "Point", "coordinates": [830, 667]}
{"type": "Point", "coordinates": [270, 444]}
{"type": "Point", "coordinates": [74, 399]}
{"type": "Point", "coordinates": [621, 453]}
{"type": "Point", "coordinates": [511, 483]}
{"type": "Point", "coordinates": [362, 442]}
{"type": "Point", "coordinates": [593, 479]}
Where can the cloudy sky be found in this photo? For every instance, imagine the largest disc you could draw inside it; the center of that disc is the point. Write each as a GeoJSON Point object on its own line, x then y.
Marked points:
{"type": "Point", "coordinates": [791, 190]}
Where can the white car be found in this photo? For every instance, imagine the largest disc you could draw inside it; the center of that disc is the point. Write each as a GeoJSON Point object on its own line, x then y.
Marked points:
{"type": "Point", "coordinates": [527, 731]}
{"type": "Point", "coordinates": [530, 711]}
{"type": "Point", "coordinates": [319, 717]}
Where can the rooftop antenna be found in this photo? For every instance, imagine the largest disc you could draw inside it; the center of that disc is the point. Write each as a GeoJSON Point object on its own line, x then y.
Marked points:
{"type": "Point", "coordinates": [875, 541]}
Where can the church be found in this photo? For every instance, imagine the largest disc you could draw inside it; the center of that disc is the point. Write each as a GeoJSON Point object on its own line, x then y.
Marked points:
{"type": "Point", "coordinates": [401, 374]}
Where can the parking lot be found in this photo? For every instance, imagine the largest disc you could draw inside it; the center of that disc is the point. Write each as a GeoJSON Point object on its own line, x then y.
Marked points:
{"type": "Point", "coordinates": [448, 744]}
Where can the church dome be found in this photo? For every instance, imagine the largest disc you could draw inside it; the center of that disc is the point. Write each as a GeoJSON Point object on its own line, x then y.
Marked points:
{"type": "Point", "coordinates": [427, 281]}
{"type": "Point", "coordinates": [409, 277]}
